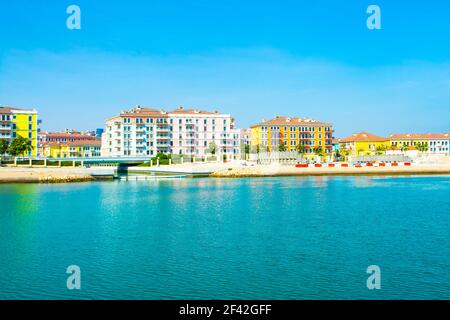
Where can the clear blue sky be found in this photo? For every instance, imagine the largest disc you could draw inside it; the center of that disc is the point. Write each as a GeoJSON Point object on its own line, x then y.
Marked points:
{"type": "Point", "coordinates": [253, 59]}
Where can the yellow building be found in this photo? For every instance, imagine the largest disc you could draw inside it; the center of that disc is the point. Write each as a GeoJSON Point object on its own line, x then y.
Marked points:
{"type": "Point", "coordinates": [76, 149]}
{"type": "Point", "coordinates": [69, 144]}
{"type": "Point", "coordinates": [15, 122]}
{"type": "Point", "coordinates": [364, 143]}
{"type": "Point", "coordinates": [290, 134]}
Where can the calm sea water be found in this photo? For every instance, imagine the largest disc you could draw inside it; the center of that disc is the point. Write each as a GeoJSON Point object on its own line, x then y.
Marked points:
{"type": "Point", "coordinates": [268, 238]}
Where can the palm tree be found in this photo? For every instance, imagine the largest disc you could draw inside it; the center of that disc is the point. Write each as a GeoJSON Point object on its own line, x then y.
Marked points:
{"type": "Point", "coordinates": [318, 151]}
{"type": "Point", "coordinates": [345, 153]}
{"type": "Point", "coordinates": [404, 147]}
{"type": "Point", "coordinates": [422, 146]}
{"type": "Point", "coordinates": [301, 149]}
{"type": "Point", "coordinates": [337, 155]}
{"type": "Point", "coordinates": [380, 150]}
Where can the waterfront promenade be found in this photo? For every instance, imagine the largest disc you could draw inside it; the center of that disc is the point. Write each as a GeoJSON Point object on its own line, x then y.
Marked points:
{"type": "Point", "coordinates": [236, 169]}
{"type": "Point", "coordinates": [311, 170]}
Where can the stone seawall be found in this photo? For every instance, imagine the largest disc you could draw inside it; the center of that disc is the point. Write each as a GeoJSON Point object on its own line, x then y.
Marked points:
{"type": "Point", "coordinates": [46, 175]}
{"type": "Point", "coordinates": [274, 171]}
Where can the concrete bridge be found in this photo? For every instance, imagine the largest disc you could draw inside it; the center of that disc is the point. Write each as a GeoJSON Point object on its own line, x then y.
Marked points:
{"type": "Point", "coordinates": [84, 161]}
{"type": "Point", "coordinates": [109, 165]}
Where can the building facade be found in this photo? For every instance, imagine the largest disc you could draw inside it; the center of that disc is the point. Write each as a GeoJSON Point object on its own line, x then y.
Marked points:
{"type": "Point", "coordinates": [15, 122]}
{"type": "Point", "coordinates": [69, 144]}
{"type": "Point", "coordinates": [136, 132]}
{"type": "Point", "coordinates": [147, 132]}
{"type": "Point", "coordinates": [80, 149]}
{"type": "Point", "coordinates": [292, 133]}
{"type": "Point", "coordinates": [364, 143]}
{"type": "Point", "coordinates": [198, 132]}
{"type": "Point", "coordinates": [434, 143]}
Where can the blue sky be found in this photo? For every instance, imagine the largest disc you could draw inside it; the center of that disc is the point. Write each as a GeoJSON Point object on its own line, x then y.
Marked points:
{"type": "Point", "coordinates": [253, 59]}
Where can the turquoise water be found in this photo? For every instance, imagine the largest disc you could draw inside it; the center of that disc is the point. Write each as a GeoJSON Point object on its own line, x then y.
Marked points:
{"type": "Point", "coordinates": [268, 238]}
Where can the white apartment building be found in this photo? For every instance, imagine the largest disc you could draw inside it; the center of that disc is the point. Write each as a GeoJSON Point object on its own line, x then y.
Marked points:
{"type": "Point", "coordinates": [440, 145]}
{"type": "Point", "coordinates": [197, 132]}
{"type": "Point", "coordinates": [136, 132]}
{"type": "Point", "coordinates": [437, 143]}
{"type": "Point", "coordinates": [146, 132]}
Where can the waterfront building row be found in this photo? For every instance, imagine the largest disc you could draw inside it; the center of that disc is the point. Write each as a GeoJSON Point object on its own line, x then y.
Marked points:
{"type": "Point", "coordinates": [69, 144]}
{"type": "Point", "coordinates": [146, 131]}
{"type": "Point", "coordinates": [365, 143]}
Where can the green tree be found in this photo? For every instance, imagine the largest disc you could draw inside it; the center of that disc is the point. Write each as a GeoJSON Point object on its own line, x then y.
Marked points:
{"type": "Point", "coordinates": [4, 145]}
{"type": "Point", "coordinates": [344, 153]}
{"type": "Point", "coordinates": [380, 150]}
{"type": "Point", "coordinates": [281, 147]}
{"type": "Point", "coordinates": [246, 149]}
{"type": "Point", "coordinates": [212, 147]}
{"type": "Point", "coordinates": [20, 146]}
{"type": "Point", "coordinates": [404, 147]}
{"type": "Point", "coordinates": [337, 155]}
{"type": "Point", "coordinates": [422, 146]}
{"type": "Point", "coordinates": [301, 149]}
{"type": "Point", "coordinates": [318, 151]}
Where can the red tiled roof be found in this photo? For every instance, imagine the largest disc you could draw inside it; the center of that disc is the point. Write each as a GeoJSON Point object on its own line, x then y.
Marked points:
{"type": "Point", "coordinates": [287, 121]}
{"type": "Point", "coordinates": [7, 110]}
{"type": "Point", "coordinates": [419, 136]}
{"type": "Point", "coordinates": [68, 135]}
{"type": "Point", "coordinates": [86, 143]}
{"type": "Point", "coordinates": [143, 112]}
{"type": "Point", "coordinates": [334, 141]}
{"type": "Point", "coordinates": [364, 136]}
{"type": "Point", "coordinates": [181, 110]}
